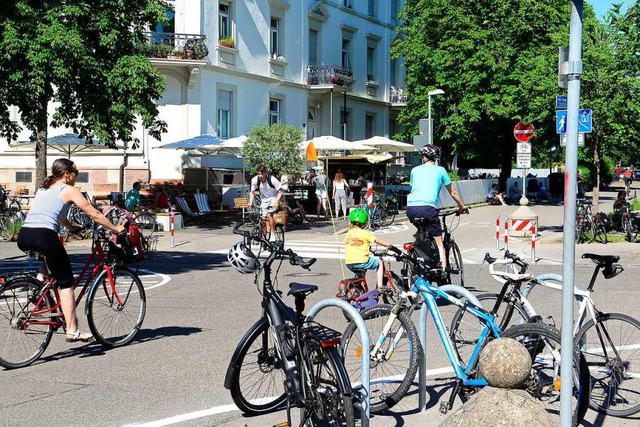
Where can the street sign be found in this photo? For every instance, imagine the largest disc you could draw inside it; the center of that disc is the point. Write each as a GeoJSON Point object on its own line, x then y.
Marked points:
{"type": "Point", "coordinates": [563, 139]}
{"type": "Point", "coordinates": [524, 161]}
{"type": "Point", "coordinates": [561, 102]}
{"type": "Point", "coordinates": [524, 133]}
{"type": "Point", "coordinates": [420, 141]}
{"type": "Point", "coordinates": [585, 121]}
{"type": "Point", "coordinates": [523, 148]}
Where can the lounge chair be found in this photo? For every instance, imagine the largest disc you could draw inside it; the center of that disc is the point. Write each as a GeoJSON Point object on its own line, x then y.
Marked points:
{"type": "Point", "coordinates": [202, 201]}
{"type": "Point", "coordinates": [188, 214]}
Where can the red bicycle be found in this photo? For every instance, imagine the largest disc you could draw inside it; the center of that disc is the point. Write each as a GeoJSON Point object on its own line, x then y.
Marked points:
{"type": "Point", "coordinates": [355, 290]}
{"type": "Point", "coordinates": [30, 309]}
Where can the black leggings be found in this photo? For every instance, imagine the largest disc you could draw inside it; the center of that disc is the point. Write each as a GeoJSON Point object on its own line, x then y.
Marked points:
{"type": "Point", "coordinates": [46, 242]}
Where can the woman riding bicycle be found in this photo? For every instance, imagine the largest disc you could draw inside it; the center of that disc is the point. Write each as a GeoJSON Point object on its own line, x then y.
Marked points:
{"type": "Point", "coordinates": [39, 233]}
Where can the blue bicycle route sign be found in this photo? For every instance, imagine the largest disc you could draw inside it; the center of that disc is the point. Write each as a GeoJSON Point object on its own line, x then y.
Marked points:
{"type": "Point", "coordinates": [585, 121]}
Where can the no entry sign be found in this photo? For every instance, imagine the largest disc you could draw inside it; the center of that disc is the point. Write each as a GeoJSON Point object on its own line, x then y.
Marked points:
{"type": "Point", "coordinates": [524, 133]}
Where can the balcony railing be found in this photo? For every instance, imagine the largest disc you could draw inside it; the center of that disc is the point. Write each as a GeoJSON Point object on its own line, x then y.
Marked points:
{"type": "Point", "coordinates": [175, 46]}
{"type": "Point", "coordinates": [329, 75]}
{"type": "Point", "coordinates": [397, 95]}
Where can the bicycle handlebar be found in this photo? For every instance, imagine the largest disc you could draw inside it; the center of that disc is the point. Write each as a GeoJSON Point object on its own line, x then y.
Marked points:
{"type": "Point", "coordinates": [509, 258]}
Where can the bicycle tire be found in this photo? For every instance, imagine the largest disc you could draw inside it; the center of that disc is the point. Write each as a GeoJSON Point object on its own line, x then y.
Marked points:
{"type": "Point", "coordinates": [280, 233]}
{"type": "Point", "coordinates": [391, 214]}
{"type": "Point", "coordinates": [390, 377]}
{"type": "Point", "coordinates": [114, 322]}
{"type": "Point", "coordinates": [7, 228]}
{"type": "Point", "coordinates": [580, 230]}
{"type": "Point", "coordinates": [538, 337]}
{"type": "Point", "coordinates": [599, 232]}
{"type": "Point", "coordinates": [465, 327]}
{"type": "Point", "coordinates": [454, 258]}
{"type": "Point", "coordinates": [146, 223]}
{"type": "Point", "coordinates": [258, 369]}
{"type": "Point", "coordinates": [609, 372]}
{"type": "Point", "coordinates": [21, 347]}
{"type": "Point", "coordinates": [627, 229]}
{"type": "Point", "coordinates": [327, 403]}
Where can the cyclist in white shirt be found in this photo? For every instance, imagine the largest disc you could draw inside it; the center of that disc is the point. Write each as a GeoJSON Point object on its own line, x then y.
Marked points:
{"type": "Point", "coordinates": [270, 194]}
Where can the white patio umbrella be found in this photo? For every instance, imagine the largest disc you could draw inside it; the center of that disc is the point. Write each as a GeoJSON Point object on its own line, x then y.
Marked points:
{"type": "Point", "coordinates": [331, 143]}
{"type": "Point", "coordinates": [68, 143]}
{"type": "Point", "coordinates": [384, 144]}
{"type": "Point", "coordinates": [206, 144]}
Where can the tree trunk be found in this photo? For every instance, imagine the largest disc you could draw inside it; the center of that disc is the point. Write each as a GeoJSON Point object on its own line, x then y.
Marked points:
{"type": "Point", "coordinates": [41, 141]}
{"type": "Point", "coordinates": [595, 180]}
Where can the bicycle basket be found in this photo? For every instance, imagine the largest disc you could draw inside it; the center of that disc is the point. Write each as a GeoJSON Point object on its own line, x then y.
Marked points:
{"type": "Point", "coordinates": [128, 247]}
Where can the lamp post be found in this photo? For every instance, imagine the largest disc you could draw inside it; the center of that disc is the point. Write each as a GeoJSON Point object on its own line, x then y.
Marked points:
{"type": "Point", "coordinates": [433, 92]}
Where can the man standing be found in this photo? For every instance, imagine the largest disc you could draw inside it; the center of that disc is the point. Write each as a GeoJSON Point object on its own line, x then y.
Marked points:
{"type": "Point", "coordinates": [426, 182]}
{"type": "Point", "coordinates": [270, 194]}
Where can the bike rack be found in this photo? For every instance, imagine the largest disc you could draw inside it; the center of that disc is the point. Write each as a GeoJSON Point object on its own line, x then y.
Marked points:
{"type": "Point", "coordinates": [422, 334]}
{"type": "Point", "coordinates": [364, 338]}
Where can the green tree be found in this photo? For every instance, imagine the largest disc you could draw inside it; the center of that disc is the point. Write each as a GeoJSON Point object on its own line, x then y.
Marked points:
{"type": "Point", "coordinates": [85, 59]}
{"type": "Point", "coordinates": [277, 147]}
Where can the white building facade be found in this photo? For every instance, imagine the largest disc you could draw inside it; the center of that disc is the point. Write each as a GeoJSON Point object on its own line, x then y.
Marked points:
{"type": "Point", "coordinates": [320, 65]}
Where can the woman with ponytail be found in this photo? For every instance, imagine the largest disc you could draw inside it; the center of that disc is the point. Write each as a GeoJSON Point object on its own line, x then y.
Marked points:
{"type": "Point", "coordinates": [40, 233]}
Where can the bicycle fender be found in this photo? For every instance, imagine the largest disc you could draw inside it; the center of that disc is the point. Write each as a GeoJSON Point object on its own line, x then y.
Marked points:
{"type": "Point", "coordinates": [233, 363]}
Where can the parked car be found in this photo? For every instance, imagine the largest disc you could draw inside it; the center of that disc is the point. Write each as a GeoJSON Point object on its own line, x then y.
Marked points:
{"type": "Point", "coordinates": [636, 175]}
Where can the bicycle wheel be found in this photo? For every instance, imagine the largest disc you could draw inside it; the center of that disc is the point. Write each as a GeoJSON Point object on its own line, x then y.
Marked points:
{"type": "Point", "coordinates": [626, 227]}
{"type": "Point", "coordinates": [543, 343]}
{"type": "Point", "coordinates": [7, 228]}
{"type": "Point", "coordinates": [326, 402]}
{"type": "Point", "coordinates": [115, 313]}
{"type": "Point", "coordinates": [599, 231]}
{"type": "Point", "coordinates": [611, 350]}
{"type": "Point", "coordinates": [392, 211]}
{"type": "Point", "coordinates": [580, 229]}
{"type": "Point", "coordinates": [454, 257]}
{"type": "Point", "coordinates": [22, 342]}
{"type": "Point", "coordinates": [257, 382]}
{"type": "Point", "coordinates": [382, 213]}
{"type": "Point", "coordinates": [394, 365]}
{"type": "Point", "coordinates": [146, 223]}
{"type": "Point", "coordinates": [465, 327]}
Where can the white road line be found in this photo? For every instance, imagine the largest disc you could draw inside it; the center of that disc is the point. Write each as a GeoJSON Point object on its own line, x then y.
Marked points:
{"type": "Point", "coordinates": [176, 419]}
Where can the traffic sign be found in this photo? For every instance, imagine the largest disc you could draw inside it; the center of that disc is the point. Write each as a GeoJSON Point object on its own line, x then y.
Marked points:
{"type": "Point", "coordinates": [563, 139]}
{"type": "Point", "coordinates": [523, 148]}
{"type": "Point", "coordinates": [524, 161]}
{"type": "Point", "coordinates": [561, 102]}
{"type": "Point", "coordinates": [585, 121]}
{"type": "Point", "coordinates": [524, 133]}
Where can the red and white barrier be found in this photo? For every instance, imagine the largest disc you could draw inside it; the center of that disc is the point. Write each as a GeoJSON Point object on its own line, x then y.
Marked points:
{"type": "Point", "coordinates": [530, 225]}
{"type": "Point", "coordinates": [172, 227]}
{"type": "Point", "coordinates": [506, 234]}
{"type": "Point", "coordinates": [534, 230]}
{"type": "Point", "coordinates": [498, 232]}
{"type": "Point", "coordinates": [370, 194]}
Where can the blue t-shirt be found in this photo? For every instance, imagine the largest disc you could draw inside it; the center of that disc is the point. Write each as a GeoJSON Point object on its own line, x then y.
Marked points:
{"type": "Point", "coordinates": [426, 182]}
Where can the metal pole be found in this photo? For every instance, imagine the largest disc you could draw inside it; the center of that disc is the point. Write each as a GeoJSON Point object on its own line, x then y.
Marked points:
{"type": "Point", "coordinates": [430, 139]}
{"type": "Point", "coordinates": [344, 118]}
{"type": "Point", "coordinates": [331, 112]}
{"type": "Point", "coordinates": [570, 188]}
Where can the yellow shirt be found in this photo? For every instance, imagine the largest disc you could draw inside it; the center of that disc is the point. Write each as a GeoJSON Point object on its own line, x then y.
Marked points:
{"type": "Point", "coordinates": [356, 245]}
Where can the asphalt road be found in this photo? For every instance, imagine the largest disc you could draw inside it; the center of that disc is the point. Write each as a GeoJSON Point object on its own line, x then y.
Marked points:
{"type": "Point", "coordinates": [198, 308]}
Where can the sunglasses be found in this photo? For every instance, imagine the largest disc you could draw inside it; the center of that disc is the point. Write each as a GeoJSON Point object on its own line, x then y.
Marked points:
{"type": "Point", "coordinates": [74, 171]}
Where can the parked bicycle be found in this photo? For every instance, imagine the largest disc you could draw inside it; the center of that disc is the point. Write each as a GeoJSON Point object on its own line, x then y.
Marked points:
{"type": "Point", "coordinates": [426, 248]}
{"type": "Point", "coordinates": [630, 226]}
{"type": "Point", "coordinates": [608, 341]}
{"type": "Point", "coordinates": [30, 310]}
{"type": "Point", "coordinates": [11, 216]}
{"type": "Point", "coordinates": [283, 358]}
{"type": "Point", "coordinates": [589, 226]}
{"type": "Point", "coordinates": [379, 216]}
{"type": "Point", "coordinates": [395, 348]}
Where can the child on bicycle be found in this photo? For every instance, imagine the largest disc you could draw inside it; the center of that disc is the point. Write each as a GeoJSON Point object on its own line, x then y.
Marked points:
{"type": "Point", "coordinates": [357, 243]}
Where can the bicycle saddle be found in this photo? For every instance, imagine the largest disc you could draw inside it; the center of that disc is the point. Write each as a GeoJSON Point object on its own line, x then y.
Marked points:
{"type": "Point", "coordinates": [602, 259]}
{"type": "Point", "coordinates": [359, 273]}
{"type": "Point", "coordinates": [419, 223]}
{"type": "Point", "coordinates": [296, 288]}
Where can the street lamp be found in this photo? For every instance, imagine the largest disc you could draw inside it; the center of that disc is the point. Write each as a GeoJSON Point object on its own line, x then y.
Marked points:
{"type": "Point", "coordinates": [433, 92]}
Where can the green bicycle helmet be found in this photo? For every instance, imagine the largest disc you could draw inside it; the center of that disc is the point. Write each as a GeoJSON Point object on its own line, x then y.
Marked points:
{"type": "Point", "coordinates": [358, 216]}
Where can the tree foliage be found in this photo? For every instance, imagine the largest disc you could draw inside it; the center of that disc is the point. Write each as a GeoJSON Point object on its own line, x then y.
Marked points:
{"type": "Point", "coordinates": [86, 58]}
{"type": "Point", "coordinates": [277, 147]}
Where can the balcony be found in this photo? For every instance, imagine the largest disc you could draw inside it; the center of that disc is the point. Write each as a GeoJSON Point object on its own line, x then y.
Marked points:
{"type": "Point", "coordinates": [397, 96]}
{"type": "Point", "coordinates": [174, 46]}
{"type": "Point", "coordinates": [329, 75]}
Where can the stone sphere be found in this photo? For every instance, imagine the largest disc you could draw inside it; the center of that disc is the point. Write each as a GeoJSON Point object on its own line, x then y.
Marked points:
{"type": "Point", "coordinates": [505, 363]}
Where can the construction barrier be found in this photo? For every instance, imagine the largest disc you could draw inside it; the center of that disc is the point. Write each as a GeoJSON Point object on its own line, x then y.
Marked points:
{"type": "Point", "coordinates": [530, 225]}
{"type": "Point", "coordinates": [172, 227]}
{"type": "Point", "coordinates": [534, 230]}
{"type": "Point", "coordinates": [498, 232]}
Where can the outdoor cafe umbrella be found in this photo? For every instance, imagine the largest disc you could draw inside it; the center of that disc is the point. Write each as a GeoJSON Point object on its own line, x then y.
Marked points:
{"type": "Point", "coordinates": [382, 143]}
{"type": "Point", "coordinates": [206, 144]}
{"type": "Point", "coordinates": [331, 143]}
{"type": "Point", "coordinates": [68, 143]}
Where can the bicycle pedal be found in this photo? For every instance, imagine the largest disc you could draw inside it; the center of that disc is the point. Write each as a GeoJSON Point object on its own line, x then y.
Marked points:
{"type": "Point", "coordinates": [444, 407]}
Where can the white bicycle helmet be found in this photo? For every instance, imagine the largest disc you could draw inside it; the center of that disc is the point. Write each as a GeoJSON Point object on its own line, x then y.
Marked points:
{"type": "Point", "coordinates": [242, 259]}
{"type": "Point", "coordinates": [430, 151]}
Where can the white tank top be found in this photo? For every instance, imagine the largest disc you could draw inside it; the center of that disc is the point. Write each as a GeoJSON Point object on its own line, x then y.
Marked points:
{"type": "Point", "coordinates": [47, 209]}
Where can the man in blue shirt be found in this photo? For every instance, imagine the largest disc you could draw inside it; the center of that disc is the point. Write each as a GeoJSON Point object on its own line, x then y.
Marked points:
{"type": "Point", "coordinates": [426, 182]}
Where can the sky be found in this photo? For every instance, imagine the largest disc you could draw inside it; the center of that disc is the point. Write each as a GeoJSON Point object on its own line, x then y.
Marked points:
{"type": "Point", "coordinates": [601, 7]}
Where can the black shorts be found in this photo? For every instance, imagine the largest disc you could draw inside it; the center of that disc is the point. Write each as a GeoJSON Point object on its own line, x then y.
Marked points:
{"type": "Point", "coordinates": [430, 214]}
{"type": "Point", "coordinates": [46, 242]}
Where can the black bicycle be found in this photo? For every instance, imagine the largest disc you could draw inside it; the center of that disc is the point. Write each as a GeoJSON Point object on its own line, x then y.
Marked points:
{"type": "Point", "coordinates": [426, 248]}
{"type": "Point", "coordinates": [283, 358]}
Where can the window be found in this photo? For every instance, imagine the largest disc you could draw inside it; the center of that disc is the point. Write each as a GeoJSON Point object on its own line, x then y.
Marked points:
{"type": "Point", "coordinates": [23, 176]}
{"type": "Point", "coordinates": [346, 44]}
{"type": "Point", "coordinates": [274, 111]}
{"type": "Point", "coordinates": [371, 62]}
{"type": "Point", "coordinates": [393, 73]}
{"type": "Point", "coordinates": [83, 177]}
{"type": "Point", "coordinates": [372, 7]}
{"type": "Point", "coordinates": [369, 125]}
{"type": "Point", "coordinates": [313, 47]}
{"type": "Point", "coordinates": [224, 21]}
{"type": "Point", "coordinates": [170, 26]}
{"type": "Point", "coordinates": [346, 3]}
{"type": "Point", "coordinates": [275, 37]}
{"type": "Point", "coordinates": [224, 113]}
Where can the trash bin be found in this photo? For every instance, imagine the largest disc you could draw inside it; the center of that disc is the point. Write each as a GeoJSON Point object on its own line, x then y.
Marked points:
{"type": "Point", "coordinates": [556, 184]}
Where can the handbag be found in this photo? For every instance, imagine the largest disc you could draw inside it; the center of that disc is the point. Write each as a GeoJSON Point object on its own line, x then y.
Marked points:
{"type": "Point", "coordinates": [347, 191]}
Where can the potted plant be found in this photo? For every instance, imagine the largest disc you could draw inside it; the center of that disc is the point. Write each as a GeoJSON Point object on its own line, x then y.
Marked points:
{"type": "Point", "coordinates": [228, 42]}
{"type": "Point", "coordinates": [200, 50]}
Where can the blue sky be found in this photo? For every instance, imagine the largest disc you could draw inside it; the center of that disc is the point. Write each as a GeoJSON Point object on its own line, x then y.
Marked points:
{"type": "Point", "coordinates": [601, 7]}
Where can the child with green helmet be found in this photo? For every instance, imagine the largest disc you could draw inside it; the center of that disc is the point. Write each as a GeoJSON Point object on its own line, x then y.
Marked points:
{"type": "Point", "coordinates": [357, 243]}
